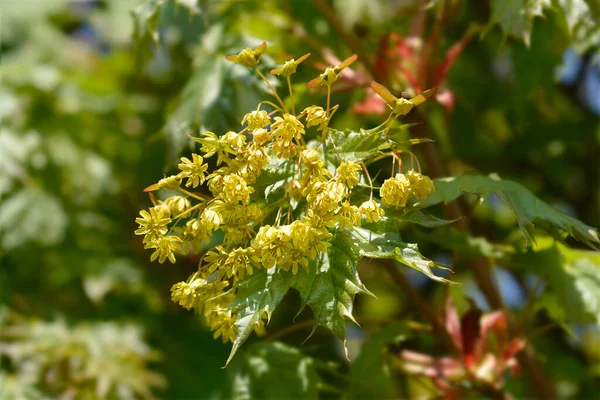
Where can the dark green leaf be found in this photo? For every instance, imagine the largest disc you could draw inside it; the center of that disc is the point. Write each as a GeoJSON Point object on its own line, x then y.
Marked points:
{"type": "Point", "coordinates": [529, 210]}
{"type": "Point", "coordinates": [272, 371]}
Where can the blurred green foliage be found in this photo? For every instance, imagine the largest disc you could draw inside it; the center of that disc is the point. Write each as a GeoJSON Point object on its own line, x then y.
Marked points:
{"type": "Point", "coordinates": [96, 98]}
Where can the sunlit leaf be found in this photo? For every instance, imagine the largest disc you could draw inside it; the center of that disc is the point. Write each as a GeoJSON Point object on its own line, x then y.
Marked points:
{"type": "Point", "coordinates": [382, 240]}
{"type": "Point", "coordinates": [331, 284]}
{"type": "Point", "coordinates": [257, 296]}
{"type": "Point", "coordinates": [357, 146]}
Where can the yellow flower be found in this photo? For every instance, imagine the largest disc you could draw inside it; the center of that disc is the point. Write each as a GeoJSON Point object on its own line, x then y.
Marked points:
{"type": "Point", "coordinates": [236, 189]}
{"type": "Point", "coordinates": [252, 160]}
{"type": "Point", "coordinates": [420, 185]}
{"type": "Point", "coordinates": [284, 148]}
{"type": "Point", "coordinates": [310, 158]}
{"type": "Point", "coordinates": [169, 183]}
{"type": "Point", "coordinates": [256, 119]}
{"type": "Point", "coordinates": [248, 57]}
{"type": "Point", "coordinates": [318, 221]}
{"type": "Point", "coordinates": [347, 174]}
{"type": "Point", "coordinates": [271, 245]}
{"type": "Point", "coordinates": [193, 170]}
{"type": "Point", "coordinates": [240, 261]}
{"type": "Point", "coordinates": [211, 218]}
{"type": "Point", "coordinates": [165, 246]}
{"type": "Point", "coordinates": [316, 115]}
{"type": "Point", "coordinates": [192, 235]}
{"type": "Point", "coordinates": [294, 189]}
{"type": "Point", "coordinates": [348, 215]}
{"type": "Point", "coordinates": [288, 127]}
{"type": "Point", "coordinates": [331, 74]}
{"type": "Point", "coordinates": [153, 224]}
{"type": "Point", "coordinates": [177, 205]}
{"type": "Point", "coordinates": [233, 139]}
{"type": "Point", "coordinates": [325, 196]}
{"type": "Point", "coordinates": [372, 211]}
{"type": "Point", "coordinates": [395, 191]}
{"type": "Point", "coordinates": [215, 259]}
{"type": "Point", "coordinates": [193, 294]}
{"type": "Point", "coordinates": [289, 68]}
{"type": "Point", "coordinates": [261, 136]}
{"type": "Point", "coordinates": [292, 259]}
{"type": "Point", "coordinates": [211, 144]}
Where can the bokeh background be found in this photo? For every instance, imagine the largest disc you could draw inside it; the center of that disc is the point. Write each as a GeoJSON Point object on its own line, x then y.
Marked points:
{"type": "Point", "coordinates": [96, 98]}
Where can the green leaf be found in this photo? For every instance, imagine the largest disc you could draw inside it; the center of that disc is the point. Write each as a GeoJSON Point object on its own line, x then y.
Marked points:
{"type": "Point", "coordinates": [371, 373]}
{"type": "Point", "coordinates": [573, 276]}
{"type": "Point", "coordinates": [419, 218]}
{"type": "Point", "coordinates": [582, 24]}
{"type": "Point", "coordinates": [257, 296]}
{"type": "Point", "coordinates": [272, 371]}
{"type": "Point", "coordinates": [529, 210]}
{"type": "Point", "coordinates": [383, 241]}
{"type": "Point", "coordinates": [358, 146]}
{"type": "Point", "coordinates": [515, 17]}
{"type": "Point", "coordinates": [331, 284]}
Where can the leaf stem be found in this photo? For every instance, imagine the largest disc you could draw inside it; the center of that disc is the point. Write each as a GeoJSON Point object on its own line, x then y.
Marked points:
{"type": "Point", "coordinates": [289, 82]}
{"type": "Point", "coordinates": [271, 87]}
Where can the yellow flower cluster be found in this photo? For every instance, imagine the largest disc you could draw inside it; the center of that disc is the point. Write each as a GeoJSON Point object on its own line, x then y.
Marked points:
{"type": "Point", "coordinates": [396, 191]}
{"type": "Point", "coordinates": [286, 234]}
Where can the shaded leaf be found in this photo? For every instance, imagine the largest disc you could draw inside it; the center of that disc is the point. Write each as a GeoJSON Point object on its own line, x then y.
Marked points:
{"type": "Point", "coordinates": [272, 371]}
{"type": "Point", "coordinates": [529, 210]}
